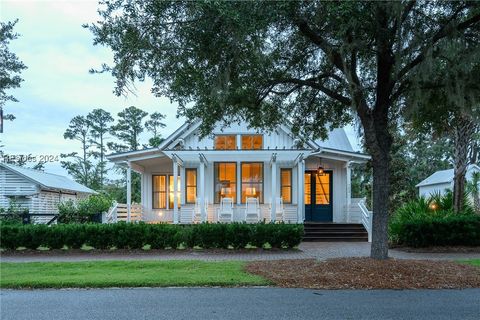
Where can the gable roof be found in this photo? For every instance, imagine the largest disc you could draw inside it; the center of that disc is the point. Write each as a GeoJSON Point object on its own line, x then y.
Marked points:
{"type": "Point", "coordinates": [444, 176]}
{"type": "Point", "coordinates": [47, 180]}
{"type": "Point", "coordinates": [337, 139]}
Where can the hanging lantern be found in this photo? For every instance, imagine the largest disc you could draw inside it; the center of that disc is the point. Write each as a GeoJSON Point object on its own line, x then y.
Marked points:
{"type": "Point", "coordinates": [320, 171]}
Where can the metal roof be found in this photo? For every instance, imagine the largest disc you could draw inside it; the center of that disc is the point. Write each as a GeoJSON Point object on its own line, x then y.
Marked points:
{"type": "Point", "coordinates": [443, 176]}
{"type": "Point", "coordinates": [48, 180]}
{"type": "Point", "coordinates": [337, 139]}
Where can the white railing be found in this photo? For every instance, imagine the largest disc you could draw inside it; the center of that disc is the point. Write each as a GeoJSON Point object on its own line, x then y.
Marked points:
{"type": "Point", "coordinates": [366, 218]}
{"type": "Point", "coordinates": [111, 216]}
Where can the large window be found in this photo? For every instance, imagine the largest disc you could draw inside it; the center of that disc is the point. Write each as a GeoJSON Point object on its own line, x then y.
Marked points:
{"type": "Point", "coordinates": [252, 142]}
{"type": "Point", "coordinates": [190, 185]}
{"type": "Point", "coordinates": [252, 181]}
{"type": "Point", "coordinates": [225, 181]}
{"type": "Point", "coordinates": [171, 193]}
{"type": "Point", "coordinates": [225, 142]}
{"type": "Point", "coordinates": [286, 184]}
{"type": "Point", "coordinates": [159, 191]}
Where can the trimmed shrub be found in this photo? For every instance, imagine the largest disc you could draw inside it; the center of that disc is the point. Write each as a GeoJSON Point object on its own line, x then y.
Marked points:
{"type": "Point", "coordinates": [441, 231]}
{"type": "Point", "coordinates": [158, 236]}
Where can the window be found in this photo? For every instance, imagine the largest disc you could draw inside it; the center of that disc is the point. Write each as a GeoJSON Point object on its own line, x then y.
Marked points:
{"type": "Point", "coordinates": [225, 180]}
{"type": "Point", "coordinates": [252, 142]}
{"type": "Point", "coordinates": [308, 188]}
{"type": "Point", "coordinates": [159, 191]}
{"type": "Point", "coordinates": [225, 142]}
{"type": "Point", "coordinates": [286, 184]}
{"type": "Point", "coordinates": [170, 191]}
{"type": "Point", "coordinates": [190, 185]}
{"type": "Point", "coordinates": [322, 189]}
{"type": "Point", "coordinates": [252, 181]}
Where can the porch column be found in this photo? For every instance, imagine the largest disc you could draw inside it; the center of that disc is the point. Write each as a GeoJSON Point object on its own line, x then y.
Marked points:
{"type": "Point", "coordinates": [175, 190]}
{"type": "Point", "coordinates": [300, 194]}
{"type": "Point", "coordinates": [129, 191]}
{"type": "Point", "coordinates": [201, 184]}
{"type": "Point", "coordinates": [274, 187]}
{"type": "Point", "coordinates": [349, 189]}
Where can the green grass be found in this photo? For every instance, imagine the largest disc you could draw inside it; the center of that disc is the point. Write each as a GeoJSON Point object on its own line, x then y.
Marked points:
{"type": "Point", "coordinates": [473, 262]}
{"type": "Point", "coordinates": [101, 274]}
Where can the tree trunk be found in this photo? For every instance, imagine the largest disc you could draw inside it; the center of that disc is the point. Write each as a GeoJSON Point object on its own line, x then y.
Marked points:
{"type": "Point", "coordinates": [381, 203]}
{"type": "Point", "coordinates": [379, 142]}
{"type": "Point", "coordinates": [463, 134]}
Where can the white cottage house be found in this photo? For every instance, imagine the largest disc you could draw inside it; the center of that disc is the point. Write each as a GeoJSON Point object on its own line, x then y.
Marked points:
{"type": "Point", "coordinates": [240, 174]}
{"type": "Point", "coordinates": [441, 181]}
{"type": "Point", "coordinates": [37, 191]}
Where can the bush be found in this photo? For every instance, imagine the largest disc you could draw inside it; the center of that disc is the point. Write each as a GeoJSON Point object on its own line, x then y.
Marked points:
{"type": "Point", "coordinates": [441, 231]}
{"type": "Point", "coordinates": [85, 210]}
{"type": "Point", "coordinates": [158, 236]}
{"type": "Point", "coordinates": [432, 222]}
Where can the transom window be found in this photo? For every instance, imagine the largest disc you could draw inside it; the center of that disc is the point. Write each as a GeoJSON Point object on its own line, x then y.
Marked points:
{"type": "Point", "coordinates": [191, 185]}
{"type": "Point", "coordinates": [225, 181]}
{"type": "Point", "coordinates": [225, 142]}
{"type": "Point", "coordinates": [252, 181]}
{"type": "Point", "coordinates": [252, 142]}
{"type": "Point", "coordinates": [286, 184]}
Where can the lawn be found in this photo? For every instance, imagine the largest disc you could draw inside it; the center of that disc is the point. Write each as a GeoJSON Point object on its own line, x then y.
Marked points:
{"type": "Point", "coordinates": [99, 274]}
{"type": "Point", "coordinates": [473, 262]}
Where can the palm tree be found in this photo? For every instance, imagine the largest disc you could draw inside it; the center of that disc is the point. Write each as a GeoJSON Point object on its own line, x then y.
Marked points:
{"type": "Point", "coordinates": [473, 188]}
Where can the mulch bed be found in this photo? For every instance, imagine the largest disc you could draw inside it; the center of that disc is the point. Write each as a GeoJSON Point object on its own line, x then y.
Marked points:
{"type": "Point", "coordinates": [366, 273]}
{"type": "Point", "coordinates": [446, 249]}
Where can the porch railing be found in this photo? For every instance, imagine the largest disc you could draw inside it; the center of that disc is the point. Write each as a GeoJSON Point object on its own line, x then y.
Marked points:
{"type": "Point", "coordinates": [366, 218]}
{"type": "Point", "coordinates": [119, 212]}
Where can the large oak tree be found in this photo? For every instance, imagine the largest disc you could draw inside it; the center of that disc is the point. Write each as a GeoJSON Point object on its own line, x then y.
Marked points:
{"type": "Point", "coordinates": [311, 62]}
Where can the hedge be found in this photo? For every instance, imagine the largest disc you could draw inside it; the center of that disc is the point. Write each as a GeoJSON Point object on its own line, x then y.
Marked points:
{"type": "Point", "coordinates": [441, 231]}
{"type": "Point", "coordinates": [158, 236]}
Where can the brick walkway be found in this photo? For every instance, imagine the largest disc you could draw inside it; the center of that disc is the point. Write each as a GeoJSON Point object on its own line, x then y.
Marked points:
{"type": "Point", "coordinates": [308, 250]}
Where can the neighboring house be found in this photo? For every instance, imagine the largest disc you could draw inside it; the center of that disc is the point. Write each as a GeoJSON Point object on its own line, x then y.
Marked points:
{"type": "Point", "coordinates": [37, 191]}
{"type": "Point", "coordinates": [441, 181]}
{"type": "Point", "coordinates": [240, 174]}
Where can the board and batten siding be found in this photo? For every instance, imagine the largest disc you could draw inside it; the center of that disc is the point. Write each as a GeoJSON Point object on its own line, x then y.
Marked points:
{"type": "Point", "coordinates": [277, 139]}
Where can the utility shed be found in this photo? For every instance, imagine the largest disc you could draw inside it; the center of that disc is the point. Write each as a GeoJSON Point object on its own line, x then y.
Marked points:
{"type": "Point", "coordinates": [441, 181]}
{"type": "Point", "coordinates": [37, 191]}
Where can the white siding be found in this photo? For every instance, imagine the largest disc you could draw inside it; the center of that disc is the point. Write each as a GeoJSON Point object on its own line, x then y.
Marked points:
{"type": "Point", "coordinates": [427, 191]}
{"type": "Point", "coordinates": [278, 139]}
{"type": "Point", "coordinates": [12, 184]}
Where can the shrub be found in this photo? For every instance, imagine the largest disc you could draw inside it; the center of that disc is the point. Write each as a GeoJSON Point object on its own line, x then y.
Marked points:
{"type": "Point", "coordinates": [158, 236]}
{"type": "Point", "coordinates": [85, 210]}
{"type": "Point", "coordinates": [441, 231]}
{"type": "Point", "coordinates": [432, 222]}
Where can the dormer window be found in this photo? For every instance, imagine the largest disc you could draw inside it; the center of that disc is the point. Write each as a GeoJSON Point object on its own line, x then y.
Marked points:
{"type": "Point", "coordinates": [252, 142]}
{"type": "Point", "coordinates": [225, 142]}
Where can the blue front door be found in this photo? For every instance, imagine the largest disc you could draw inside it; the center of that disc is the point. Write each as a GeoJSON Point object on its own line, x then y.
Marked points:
{"type": "Point", "coordinates": [318, 196]}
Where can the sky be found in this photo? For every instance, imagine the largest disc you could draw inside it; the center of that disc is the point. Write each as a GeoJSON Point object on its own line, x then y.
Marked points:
{"type": "Point", "coordinates": [57, 85]}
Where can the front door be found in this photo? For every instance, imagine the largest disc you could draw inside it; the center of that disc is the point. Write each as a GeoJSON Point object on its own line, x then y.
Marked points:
{"type": "Point", "coordinates": [318, 196]}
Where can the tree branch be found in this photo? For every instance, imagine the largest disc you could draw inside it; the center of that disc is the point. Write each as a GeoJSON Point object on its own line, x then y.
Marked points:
{"type": "Point", "coordinates": [442, 33]}
{"type": "Point", "coordinates": [311, 82]}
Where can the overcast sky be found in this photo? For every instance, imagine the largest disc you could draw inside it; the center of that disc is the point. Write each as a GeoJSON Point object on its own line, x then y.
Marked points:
{"type": "Point", "coordinates": [58, 53]}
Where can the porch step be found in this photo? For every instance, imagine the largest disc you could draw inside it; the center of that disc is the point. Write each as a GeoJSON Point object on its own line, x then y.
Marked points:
{"type": "Point", "coordinates": [330, 232]}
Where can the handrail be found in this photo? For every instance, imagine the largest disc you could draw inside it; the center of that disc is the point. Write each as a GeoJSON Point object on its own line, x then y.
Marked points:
{"type": "Point", "coordinates": [367, 217]}
{"type": "Point", "coordinates": [111, 216]}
